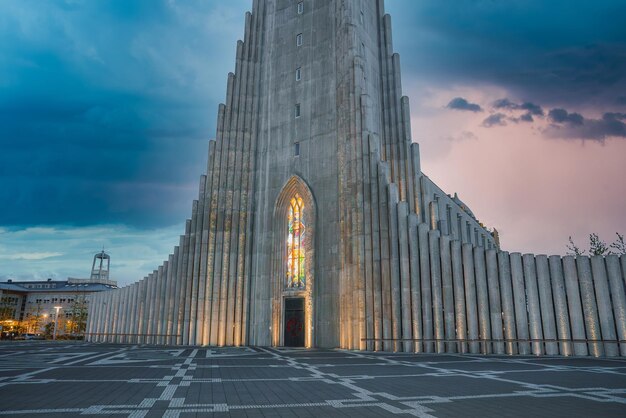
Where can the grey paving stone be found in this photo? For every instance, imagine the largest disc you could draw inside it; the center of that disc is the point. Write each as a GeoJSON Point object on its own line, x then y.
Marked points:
{"type": "Point", "coordinates": [79, 379]}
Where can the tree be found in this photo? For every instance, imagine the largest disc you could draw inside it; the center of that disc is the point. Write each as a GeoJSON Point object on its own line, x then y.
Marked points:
{"type": "Point", "coordinates": [619, 246]}
{"type": "Point", "coordinates": [598, 247]}
{"type": "Point", "coordinates": [79, 315]}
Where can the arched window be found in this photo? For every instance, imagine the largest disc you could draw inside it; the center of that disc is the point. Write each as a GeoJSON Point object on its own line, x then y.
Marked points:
{"type": "Point", "coordinates": [296, 275]}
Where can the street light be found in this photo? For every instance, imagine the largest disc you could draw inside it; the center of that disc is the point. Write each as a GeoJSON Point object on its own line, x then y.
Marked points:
{"type": "Point", "coordinates": [56, 320]}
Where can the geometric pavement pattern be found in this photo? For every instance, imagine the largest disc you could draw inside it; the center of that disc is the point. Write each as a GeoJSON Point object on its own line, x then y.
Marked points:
{"type": "Point", "coordinates": [80, 379]}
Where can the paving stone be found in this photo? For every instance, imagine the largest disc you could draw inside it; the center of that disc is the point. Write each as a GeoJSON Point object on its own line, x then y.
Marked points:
{"type": "Point", "coordinates": [82, 379]}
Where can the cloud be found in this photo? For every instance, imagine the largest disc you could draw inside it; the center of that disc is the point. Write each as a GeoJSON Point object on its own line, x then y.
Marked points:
{"type": "Point", "coordinates": [30, 256]}
{"type": "Point", "coordinates": [530, 108]}
{"type": "Point", "coordinates": [459, 103]}
{"type": "Point", "coordinates": [562, 116]}
{"type": "Point", "coordinates": [505, 44]}
{"type": "Point", "coordinates": [575, 126]}
{"type": "Point", "coordinates": [120, 118]}
{"type": "Point", "coordinates": [63, 251]}
{"type": "Point", "coordinates": [497, 119]}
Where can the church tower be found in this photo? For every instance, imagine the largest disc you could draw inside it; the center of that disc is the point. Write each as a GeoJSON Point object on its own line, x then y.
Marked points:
{"type": "Point", "coordinates": [313, 211]}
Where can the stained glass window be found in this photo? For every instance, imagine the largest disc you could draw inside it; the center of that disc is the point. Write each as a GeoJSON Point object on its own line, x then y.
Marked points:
{"type": "Point", "coordinates": [296, 276]}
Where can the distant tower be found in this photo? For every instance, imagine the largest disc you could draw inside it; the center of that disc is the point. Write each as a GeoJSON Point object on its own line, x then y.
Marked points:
{"type": "Point", "coordinates": [100, 266]}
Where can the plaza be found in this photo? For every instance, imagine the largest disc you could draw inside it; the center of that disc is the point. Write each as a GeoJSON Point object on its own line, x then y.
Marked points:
{"type": "Point", "coordinates": [83, 379]}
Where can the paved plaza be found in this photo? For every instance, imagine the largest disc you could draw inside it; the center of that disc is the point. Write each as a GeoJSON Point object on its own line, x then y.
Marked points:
{"type": "Point", "coordinates": [80, 379]}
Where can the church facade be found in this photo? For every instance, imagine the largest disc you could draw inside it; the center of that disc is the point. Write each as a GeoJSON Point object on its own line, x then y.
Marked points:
{"type": "Point", "coordinates": [316, 227]}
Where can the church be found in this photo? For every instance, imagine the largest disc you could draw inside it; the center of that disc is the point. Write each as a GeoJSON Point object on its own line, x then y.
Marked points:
{"type": "Point", "coordinates": [316, 227]}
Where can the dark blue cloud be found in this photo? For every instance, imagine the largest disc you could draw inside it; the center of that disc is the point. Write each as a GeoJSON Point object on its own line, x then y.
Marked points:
{"type": "Point", "coordinates": [496, 119]}
{"type": "Point", "coordinates": [563, 116]}
{"type": "Point", "coordinates": [556, 53]}
{"type": "Point", "coordinates": [459, 103]}
{"type": "Point", "coordinates": [574, 126]}
{"type": "Point", "coordinates": [106, 108]}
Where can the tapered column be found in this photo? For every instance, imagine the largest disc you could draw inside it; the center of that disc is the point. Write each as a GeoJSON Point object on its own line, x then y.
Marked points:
{"type": "Point", "coordinates": [618, 296]}
{"type": "Point", "coordinates": [459, 295]}
{"type": "Point", "coordinates": [590, 309]}
{"type": "Point", "coordinates": [448, 293]}
{"type": "Point", "coordinates": [416, 291]}
{"type": "Point", "coordinates": [427, 302]}
{"type": "Point", "coordinates": [403, 225]}
{"type": "Point", "coordinates": [470, 298]}
{"type": "Point", "coordinates": [482, 294]}
{"type": "Point", "coordinates": [605, 309]}
{"type": "Point", "coordinates": [534, 309]}
{"type": "Point", "coordinates": [547, 307]}
{"type": "Point", "coordinates": [560, 305]}
{"type": "Point", "coordinates": [508, 306]}
{"type": "Point", "coordinates": [574, 305]}
{"type": "Point", "coordinates": [396, 319]}
{"type": "Point", "coordinates": [495, 306]}
{"type": "Point", "coordinates": [519, 300]}
{"type": "Point", "coordinates": [437, 292]}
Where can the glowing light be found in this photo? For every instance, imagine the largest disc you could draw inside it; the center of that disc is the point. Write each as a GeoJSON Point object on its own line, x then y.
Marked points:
{"type": "Point", "coordinates": [296, 273]}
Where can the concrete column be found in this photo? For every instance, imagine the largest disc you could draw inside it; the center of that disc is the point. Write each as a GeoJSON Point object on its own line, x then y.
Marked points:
{"type": "Point", "coordinates": [560, 305]}
{"type": "Point", "coordinates": [605, 309]}
{"type": "Point", "coordinates": [187, 249]}
{"type": "Point", "coordinates": [383, 181]}
{"type": "Point", "coordinates": [574, 305]}
{"type": "Point", "coordinates": [152, 279]}
{"type": "Point", "coordinates": [534, 308]}
{"type": "Point", "coordinates": [448, 293]}
{"type": "Point", "coordinates": [94, 309]}
{"type": "Point", "coordinates": [482, 291]}
{"type": "Point", "coordinates": [547, 307]}
{"type": "Point", "coordinates": [618, 296]}
{"type": "Point", "coordinates": [470, 298]}
{"type": "Point", "coordinates": [590, 310]}
{"type": "Point", "coordinates": [396, 313]}
{"type": "Point", "coordinates": [124, 314]}
{"type": "Point", "coordinates": [508, 306]}
{"type": "Point", "coordinates": [495, 306]}
{"type": "Point", "coordinates": [427, 302]}
{"type": "Point", "coordinates": [416, 291]}
{"type": "Point", "coordinates": [435, 276]}
{"type": "Point", "coordinates": [158, 302]}
{"type": "Point", "coordinates": [134, 322]}
{"type": "Point", "coordinates": [405, 274]}
{"type": "Point", "coordinates": [519, 300]}
{"type": "Point", "coordinates": [108, 320]}
{"type": "Point", "coordinates": [459, 295]}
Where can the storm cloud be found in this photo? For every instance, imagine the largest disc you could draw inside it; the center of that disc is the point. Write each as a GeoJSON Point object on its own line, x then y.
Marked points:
{"type": "Point", "coordinates": [459, 103]}
{"type": "Point", "coordinates": [575, 126]}
{"type": "Point", "coordinates": [557, 53]}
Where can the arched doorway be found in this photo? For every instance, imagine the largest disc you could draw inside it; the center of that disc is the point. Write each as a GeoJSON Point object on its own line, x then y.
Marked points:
{"type": "Point", "coordinates": [293, 267]}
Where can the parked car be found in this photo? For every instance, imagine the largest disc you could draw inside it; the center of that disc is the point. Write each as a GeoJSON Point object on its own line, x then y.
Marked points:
{"type": "Point", "coordinates": [34, 337]}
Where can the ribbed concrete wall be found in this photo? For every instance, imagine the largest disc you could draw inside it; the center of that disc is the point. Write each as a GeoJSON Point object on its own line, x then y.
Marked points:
{"type": "Point", "coordinates": [395, 263]}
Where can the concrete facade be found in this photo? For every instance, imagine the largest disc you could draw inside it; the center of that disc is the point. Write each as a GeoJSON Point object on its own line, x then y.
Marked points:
{"type": "Point", "coordinates": [314, 110]}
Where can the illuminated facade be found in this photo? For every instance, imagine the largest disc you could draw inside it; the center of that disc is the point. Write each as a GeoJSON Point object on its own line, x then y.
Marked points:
{"type": "Point", "coordinates": [316, 227]}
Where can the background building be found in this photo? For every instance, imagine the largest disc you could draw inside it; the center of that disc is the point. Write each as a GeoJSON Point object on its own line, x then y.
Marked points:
{"type": "Point", "coordinates": [30, 305]}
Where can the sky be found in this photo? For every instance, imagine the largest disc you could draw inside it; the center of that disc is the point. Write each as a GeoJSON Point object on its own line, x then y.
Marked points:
{"type": "Point", "coordinates": [106, 109]}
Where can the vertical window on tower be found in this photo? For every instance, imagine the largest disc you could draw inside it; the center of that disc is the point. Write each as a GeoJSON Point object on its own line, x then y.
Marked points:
{"type": "Point", "coordinates": [469, 232]}
{"type": "Point", "coordinates": [299, 39]}
{"type": "Point", "coordinates": [298, 73]}
{"type": "Point", "coordinates": [298, 110]}
{"type": "Point", "coordinates": [300, 7]}
{"type": "Point", "coordinates": [296, 149]}
{"type": "Point", "coordinates": [449, 218]}
{"type": "Point", "coordinates": [296, 276]}
{"type": "Point", "coordinates": [362, 17]}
